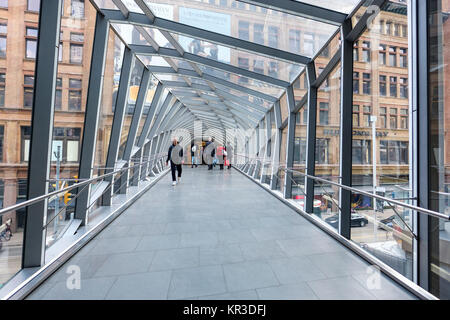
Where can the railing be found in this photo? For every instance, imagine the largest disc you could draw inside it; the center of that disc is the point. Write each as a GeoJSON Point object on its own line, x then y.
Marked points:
{"type": "Point", "coordinates": [381, 226]}
{"type": "Point", "coordinates": [56, 224]}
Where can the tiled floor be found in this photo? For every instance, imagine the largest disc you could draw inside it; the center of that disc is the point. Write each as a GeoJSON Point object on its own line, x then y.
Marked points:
{"type": "Point", "coordinates": [217, 235]}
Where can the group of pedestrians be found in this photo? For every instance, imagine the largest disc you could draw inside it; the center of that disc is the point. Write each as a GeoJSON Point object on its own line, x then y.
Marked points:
{"type": "Point", "coordinates": [212, 153]}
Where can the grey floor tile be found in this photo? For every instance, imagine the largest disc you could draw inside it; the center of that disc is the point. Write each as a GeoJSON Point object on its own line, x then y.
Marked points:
{"type": "Point", "coordinates": [341, 288]}
{"type": "Point", "coordinates": [158, 242]}
{"type": "Point", "coordinates": [199, 239]}
{"type": "Point", "coordinates": [221, 254]}
{"type": "Point", "coordinates": [299, 291]}
{"type": "Point", "coordinates": [235, 236]}
{"type": "Point", "coordinates": [115, 245]}
{"type": "Point", "coordinates": [125, 263]}
{"type": "Point", "coordinates": [194, 282]}
{"type": "Point", "coordinates": [339, 264]}
{"type": "Point", "coordinates": [175, 259]}
{"type": "Point", "coordinates": [142, 286]}
{"type": "Point", "coordinates": [295, 270]}
{"type": "Point", "coordinates": [261, 250]}
{"type": "Point", "coordinates": [90, 289]}
{"type": "Point", "coordinates": [249, 275]}
{"type": "Point", "coordinates": [241, 295]}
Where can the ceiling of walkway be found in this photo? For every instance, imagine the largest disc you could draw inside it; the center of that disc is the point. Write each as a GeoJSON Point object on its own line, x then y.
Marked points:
{"type": "Point", "coordinates": [201, 50]}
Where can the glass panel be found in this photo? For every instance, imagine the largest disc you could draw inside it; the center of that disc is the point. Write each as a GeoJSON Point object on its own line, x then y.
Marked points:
{"type": "Point", "coordinates": [439, 144]}
{"type": "Point", "coordinates": [280, 173]}
{"type": "Point", "coordinates": [327, 53]}
{"type": "Point", "coordinates": [129, 34]}
{"type": "Point", "coordinates": [72, 86]}
{"type": "Point", "coordinates": [169, 77]}
{"type": "Point", "coordinates": [326, 197]}
{"type": "Point", "coordinates": [284, 108]}
{"type": "Point", "coordinates": [220, 19]}
{"type": "Point", "coordinates": [160, 39]}
{"type": "Point", "coordinates": [298, 184]}
{"type": "Point", "coordinates": [345, 6]}
{"type": "Point", "coordinates": [135, 83]}
{"type": "Point", "coordinates": [105, 4]}
{"type": "Point", "coordinates": [113, 67]}
{"type": "Point", "coordinates": [379, 146]}
{"type": "Point", "coordinates": [238, 58]}
{"type": "Point", "coordinates": [18, 39]}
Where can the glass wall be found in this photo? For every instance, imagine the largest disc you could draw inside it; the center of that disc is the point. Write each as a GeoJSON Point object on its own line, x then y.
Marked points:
{"type": "Point", "coordinates": [326, 197]}
{"type": "Point", "coordinates": [381, 139]}
{"type": "Point", "coordinates": [439, 145]}
{"type": "Point", "coordinates": [74, 62]}
{"type": "Point", "coordinates": [18, 44]}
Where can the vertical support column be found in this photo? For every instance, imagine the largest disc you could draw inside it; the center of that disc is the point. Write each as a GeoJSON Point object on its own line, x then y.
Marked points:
{"type": "Point", "coordinates": [119, 113]}
{"type": "Point", "coordinates": [276, 146]}
{"type": "Point", "coordinates": [94, 95]}
{"type": "Point", "coordinates": [345, 139]}
{"type": "Point", "coordinates": [311, 136]}
{"type": "Point", "coordinates": [258, 149]}
{"type": "Point", "coordinates": [420, 100]}
{"type": "Point", "coordinates": [41, 131]}
{"type": "Point", "coordinates": [267, 153]}
{"type": "Point", "coordinates": [290, 143]}
{"type": "Point", "coordinates": [152, 155]}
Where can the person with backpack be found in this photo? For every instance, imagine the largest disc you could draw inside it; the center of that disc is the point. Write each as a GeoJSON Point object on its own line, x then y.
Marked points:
{"type": "Point", "coordinates": [194, 156]}
{"type": "Point", "coordinates": [175, 157]}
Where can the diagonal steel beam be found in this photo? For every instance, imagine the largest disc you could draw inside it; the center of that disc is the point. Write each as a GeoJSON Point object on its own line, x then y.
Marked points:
{"type": "Point", "coordinates": [214, 37]}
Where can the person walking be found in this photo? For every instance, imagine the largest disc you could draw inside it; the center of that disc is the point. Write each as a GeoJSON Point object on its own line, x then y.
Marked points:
{"type": "Point", "coordinates": [194, 156]}
{"type": "Point", "coordinates": [209, 159]}
{"type": "Point", "coordinates": [220, 156]}
{"type": "Point", "coordinates": [175, 160]}
{"type": "Point", "coordinates": [226, 159]}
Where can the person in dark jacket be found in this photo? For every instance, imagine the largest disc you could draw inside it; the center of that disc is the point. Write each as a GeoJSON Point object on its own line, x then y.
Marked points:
{"type": "Point", "coordinates": [175, 160]}
{"type": "Point", "coordinates": [212, 151]}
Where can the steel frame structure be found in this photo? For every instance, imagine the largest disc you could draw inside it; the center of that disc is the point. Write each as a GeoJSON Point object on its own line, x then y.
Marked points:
{"type": "Point", "coordinates": [218, 109]}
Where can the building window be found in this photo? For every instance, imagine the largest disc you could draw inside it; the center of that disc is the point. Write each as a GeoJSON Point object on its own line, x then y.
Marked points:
{"type": "Point", "coordinates": [404, 31]}
{"type": "Point", "coordinates": [2, 136]}
{"type": "Point", "coordinates": [355, 121]}
{"type": "Point", "coordinates": [3, 3]}
{"type": "Point", "coordinates": [75, 94]}
{"type": "Point", "coordinates": [393, 118]}
{"type": "Point", "coordinates": [258, 66]}
{"type": "Point", "coordinates": [3, 34]}
{"type": "Point", "coordinates": [294, 40]}
{"type": "Point", "coordinates": [403, 118]}
{"type": "Point", "coordinates": [243, 30]}
{"type": "Point", "coordinates": [323, 113]}
{"type": "Point", "coordinates": [31, 42]}
{"type": "Point", "coordinates": [2, 89]}
{"type": "Point", "coordinates": [25, 136]}
{"type": "Point", "coordinates": [388, 29]}
{"type": "Point", "coordinates": [366, 83]}
{"type": "Point", "coordinates": [397, 30]}
{"type": "Point", "coordinates": [273, 37]}
{"type": "Point", "coordinates": [273, 69]}
{"type": "Point", "coordinates": [403, 87]}
{"type": "Point", "coordinates": [367, 111]}
{"type": "Point", "coordinates": [28, 89]}
{"type": "Point", "coordinates": [383, 86]}
{"type": "Point", "coordinates": [393, 152]}
{"type": "Point", "coordinates": [258, 33]}
{"type": "Point", "coordinates": [356, 51]}
{"type": "Point", "coordinates": [393, 86]}
{"type": "Point", "coordinates": [76, 48]}
{"type": "Point", "coordinates": [223, 3]}
{"type": "Point", "coordinates": [403, 58]}
{"type": "Point", "coordinates": [308, 44]}
{"type": "Point", "coordinates": [77, 9]}
{"type": "Point", "coordinates": [33, 5]}
{"type": "Point", "coordinates": [366, 51]}
{"type": "Point", "coordinates": [305, 116]}
{"type": "Point", "coordinates": [361, 152]}
{"type": "Point", "coordinates": [383, 117]}
{"type": "Point", "coordinates": [243, 63]}
{"type": "Point", "coordinates": [393, 56]}
{"type": "Point", "coordinates": [58, 94]}
{"type": "Point", "coordinates": [68, 139]}
{"type": "Point", "coordinates": [356, 82]}
{"type": "Point", "coordinates": [382, 54]}
{"type": "Point", "coordinates": [326, 51]}
{"type": "Point", "coordinates": [322, 151]}
{"type": "Point", "coordinates": [299, 150]}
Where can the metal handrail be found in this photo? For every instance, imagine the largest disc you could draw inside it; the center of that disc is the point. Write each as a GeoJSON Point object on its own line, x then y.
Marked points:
{"type": "Point", "coordinates": [355, 190]}
{"type": "Point", "coordinates": [74, 186]}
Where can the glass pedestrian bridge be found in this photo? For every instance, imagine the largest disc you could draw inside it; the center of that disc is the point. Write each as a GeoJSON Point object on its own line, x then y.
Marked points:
{"type": "Point", "coordinates": [333, 115]}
